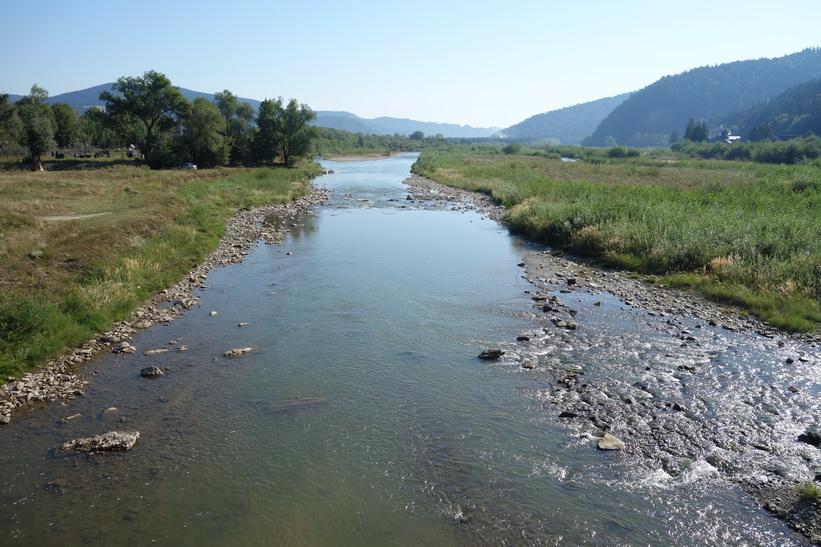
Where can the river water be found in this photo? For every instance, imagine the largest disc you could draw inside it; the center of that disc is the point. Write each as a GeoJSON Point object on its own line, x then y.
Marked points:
{"type": "Point", "coordinates": [363, 415]}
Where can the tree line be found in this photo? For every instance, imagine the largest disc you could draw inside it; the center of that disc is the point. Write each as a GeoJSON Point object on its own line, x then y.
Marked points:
{"type": "Point", "coordinates": [152, 117]}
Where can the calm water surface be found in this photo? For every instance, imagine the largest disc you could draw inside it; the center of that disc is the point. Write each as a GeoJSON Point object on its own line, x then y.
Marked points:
{"type": "Point", "coordinates": [362, 417]}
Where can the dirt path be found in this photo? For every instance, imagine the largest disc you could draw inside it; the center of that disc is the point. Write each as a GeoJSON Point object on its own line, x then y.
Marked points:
{"type": "Point", "coordinates": [75, 217]}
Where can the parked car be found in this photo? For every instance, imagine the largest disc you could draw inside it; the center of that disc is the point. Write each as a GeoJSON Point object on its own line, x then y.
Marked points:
{"type": "Point", "coordinates": [188, 166]}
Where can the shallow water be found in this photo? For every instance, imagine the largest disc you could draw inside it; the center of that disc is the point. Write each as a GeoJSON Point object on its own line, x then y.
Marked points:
{"type": "Point", "coordinates": [363, 417]}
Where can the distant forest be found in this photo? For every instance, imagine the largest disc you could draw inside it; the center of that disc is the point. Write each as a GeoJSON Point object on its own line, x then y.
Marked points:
{"type": "Point", "coordinates": [567, 125]}
{"type": "Point", "coordinates": [733, 95]}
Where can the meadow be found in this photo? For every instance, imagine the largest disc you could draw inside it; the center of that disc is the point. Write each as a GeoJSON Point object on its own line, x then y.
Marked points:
{"type": "Point", "coordinates": [741, 233]}
{"type": "Point", "coordinates": [84, 244]}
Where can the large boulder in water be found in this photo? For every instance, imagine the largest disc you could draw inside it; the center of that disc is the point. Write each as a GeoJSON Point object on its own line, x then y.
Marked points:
{"type": "Point", "coordinates": [491, 354]}
{"type": "Point", "coordinates": [610, 442]}
{"type": "Point", "coordinates": [113, 441]}
{"type": "Point", "coordinates": [811, 437]}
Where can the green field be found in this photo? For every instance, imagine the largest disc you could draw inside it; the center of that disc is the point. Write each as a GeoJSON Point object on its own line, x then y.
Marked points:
{"type": "Point", "coordinates": [62, 281]}
{"type": "Point", "coordinates": [741, 233]}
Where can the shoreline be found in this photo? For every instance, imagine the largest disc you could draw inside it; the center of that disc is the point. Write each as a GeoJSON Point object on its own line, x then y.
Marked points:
{"type": "Point", "coordinates": [550, 272]}
{"type": "Point", "coordinates": [58, 379]}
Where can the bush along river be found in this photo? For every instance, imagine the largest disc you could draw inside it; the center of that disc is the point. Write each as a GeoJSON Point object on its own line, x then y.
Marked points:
{"type": "Point", "coordinates": [327, 390]}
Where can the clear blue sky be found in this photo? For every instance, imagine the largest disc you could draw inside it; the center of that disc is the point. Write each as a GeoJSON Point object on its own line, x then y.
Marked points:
{"type": "Point", "coordinates": [475, 62]}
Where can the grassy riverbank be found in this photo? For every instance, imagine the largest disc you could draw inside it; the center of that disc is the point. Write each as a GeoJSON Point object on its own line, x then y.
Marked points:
{"type": "Point", "coordinates": [745, 234]}
{"type": "Point", "coordinates": [82, 248]}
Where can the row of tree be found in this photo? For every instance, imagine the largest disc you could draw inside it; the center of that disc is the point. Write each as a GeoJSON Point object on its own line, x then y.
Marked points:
{"type": "Point", "coordinates": [166, 129]}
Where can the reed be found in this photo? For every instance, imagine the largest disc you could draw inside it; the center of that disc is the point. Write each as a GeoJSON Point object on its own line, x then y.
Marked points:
{"type": "Point", "coordinates": [744, 233]}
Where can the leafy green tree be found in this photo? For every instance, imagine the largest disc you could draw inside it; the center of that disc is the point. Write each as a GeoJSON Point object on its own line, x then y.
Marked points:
{"type": "Point", "coordinates": [417, 135]}
{"type": "Point", "coordinates": [696, 131]}
{"type": "Point", "coordinates": [204, 127]}
{"type": "Point", "coordinates": [9, 122]}
{"type": "Point", "coordinates": [38, 126]}
{"type": "Point", "coordinates": [95, 129]}
{"type": "Point", "coordinates": [284, 131]}
{"type": "Point", "coordinates": [148, 108]}
{"type": "Point", "coordinates": [238, 117]}
{"type": "Point", "coordinates": [68, 125]}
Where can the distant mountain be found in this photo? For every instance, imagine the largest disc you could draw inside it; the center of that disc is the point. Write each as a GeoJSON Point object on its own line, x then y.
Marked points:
{"type": "Point", "coordinates": [338, 120]}
{"type": "Point", "coordinates": [794, 112]}
{"type": "Point", "coordinates": [651, 114]}
{"type": "Point", "coordinates": [567, 125]}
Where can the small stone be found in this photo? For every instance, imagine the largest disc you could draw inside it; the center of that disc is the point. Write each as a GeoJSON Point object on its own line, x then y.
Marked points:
{"type": "Point", "coordinates": [157, 351]}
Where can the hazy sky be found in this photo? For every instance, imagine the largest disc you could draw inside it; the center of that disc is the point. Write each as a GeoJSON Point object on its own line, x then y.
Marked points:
{"type": "Point", "coordinates": [475, 62]}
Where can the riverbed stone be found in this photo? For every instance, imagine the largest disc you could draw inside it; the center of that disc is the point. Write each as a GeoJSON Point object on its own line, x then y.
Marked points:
{"type": "Point", "coordinates": [491, 354]}
{"type": "Point", "coordinates": [811, 437]}
{"type": "Point", "coordinates": [151, 372]}
{"type": "Point", "coordinates": [237, 351]}
{"type": "Point", "coordinates": [610, 442]}
{"type": "Point", "coordinates": [113, 441]}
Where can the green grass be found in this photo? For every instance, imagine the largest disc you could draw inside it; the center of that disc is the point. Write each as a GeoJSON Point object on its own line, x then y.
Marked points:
{"type": "Point", "coordinates": [64, 281]}
{"type": "Point", "coordinates": [810, 491]}
{"type": "Point", "coordinates": [741, 233]}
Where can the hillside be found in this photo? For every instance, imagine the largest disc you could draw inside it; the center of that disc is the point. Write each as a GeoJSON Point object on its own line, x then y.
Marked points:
{"type": "Point", "coordinates": [795, 112]}
{"type": "Point", "coordinates": [650, 115]}
{"type": "Point", "coordinates": [337, 120]}
{"type": "Point", "coordinates": [567, 125]}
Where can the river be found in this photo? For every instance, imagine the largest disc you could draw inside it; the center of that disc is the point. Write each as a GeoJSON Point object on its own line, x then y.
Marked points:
{"type": "Point", "coordinates": [363, 415]}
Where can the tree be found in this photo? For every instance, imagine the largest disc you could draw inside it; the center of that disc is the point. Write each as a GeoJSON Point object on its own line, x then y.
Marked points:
{"type": "Point", "coordinates": [7, 121]}
{"type": "Point", "coordinates": [204, 127]}
{"type": "Point", "coordinates": [696, 131]}
{"type": "Point", "coordinates": [38, 126]}
{"type": "Point", "coordinates": [95, 129]}
{"type": "Point", "coordinates": [284, 131]}
{"type": "Point", "coordinates": [68, 125]}
{"type": "Point", "coordinates": [238, 117]}
{"type": "Point", "coordinates": [149, 108]}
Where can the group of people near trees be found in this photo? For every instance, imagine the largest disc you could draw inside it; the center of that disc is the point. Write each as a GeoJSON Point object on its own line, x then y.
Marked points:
{"type": "Point", "coordinates": [166, 128]}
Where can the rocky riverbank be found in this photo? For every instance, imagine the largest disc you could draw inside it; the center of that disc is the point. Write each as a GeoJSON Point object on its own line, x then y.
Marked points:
{"type": "Point", "coordinates": [59, 379]}
{"type": "Point", "coordinates": [663, 418]}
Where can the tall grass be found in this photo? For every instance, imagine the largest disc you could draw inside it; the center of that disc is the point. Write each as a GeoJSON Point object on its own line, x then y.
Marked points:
{"type": "Point", "coordinates": [744, 233]}
{"type": "Point", "coordinates": [64, 281]}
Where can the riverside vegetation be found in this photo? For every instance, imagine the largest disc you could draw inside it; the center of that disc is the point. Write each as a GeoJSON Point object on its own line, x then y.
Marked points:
{"type": "Point", "coordinates": [85, 246]}
{"type": "Point", "coordinates": [741, 233]}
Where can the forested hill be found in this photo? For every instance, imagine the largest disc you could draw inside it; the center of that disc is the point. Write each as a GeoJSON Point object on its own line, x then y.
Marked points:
{"type": "Point", "coordinates": [652, 114]}
{"type": "Point", "coordinates": [337, 120]}
{"type": "Point", "coordinates": [793, 113]}
{"type": "Point", "coordinates": [567, 125]}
